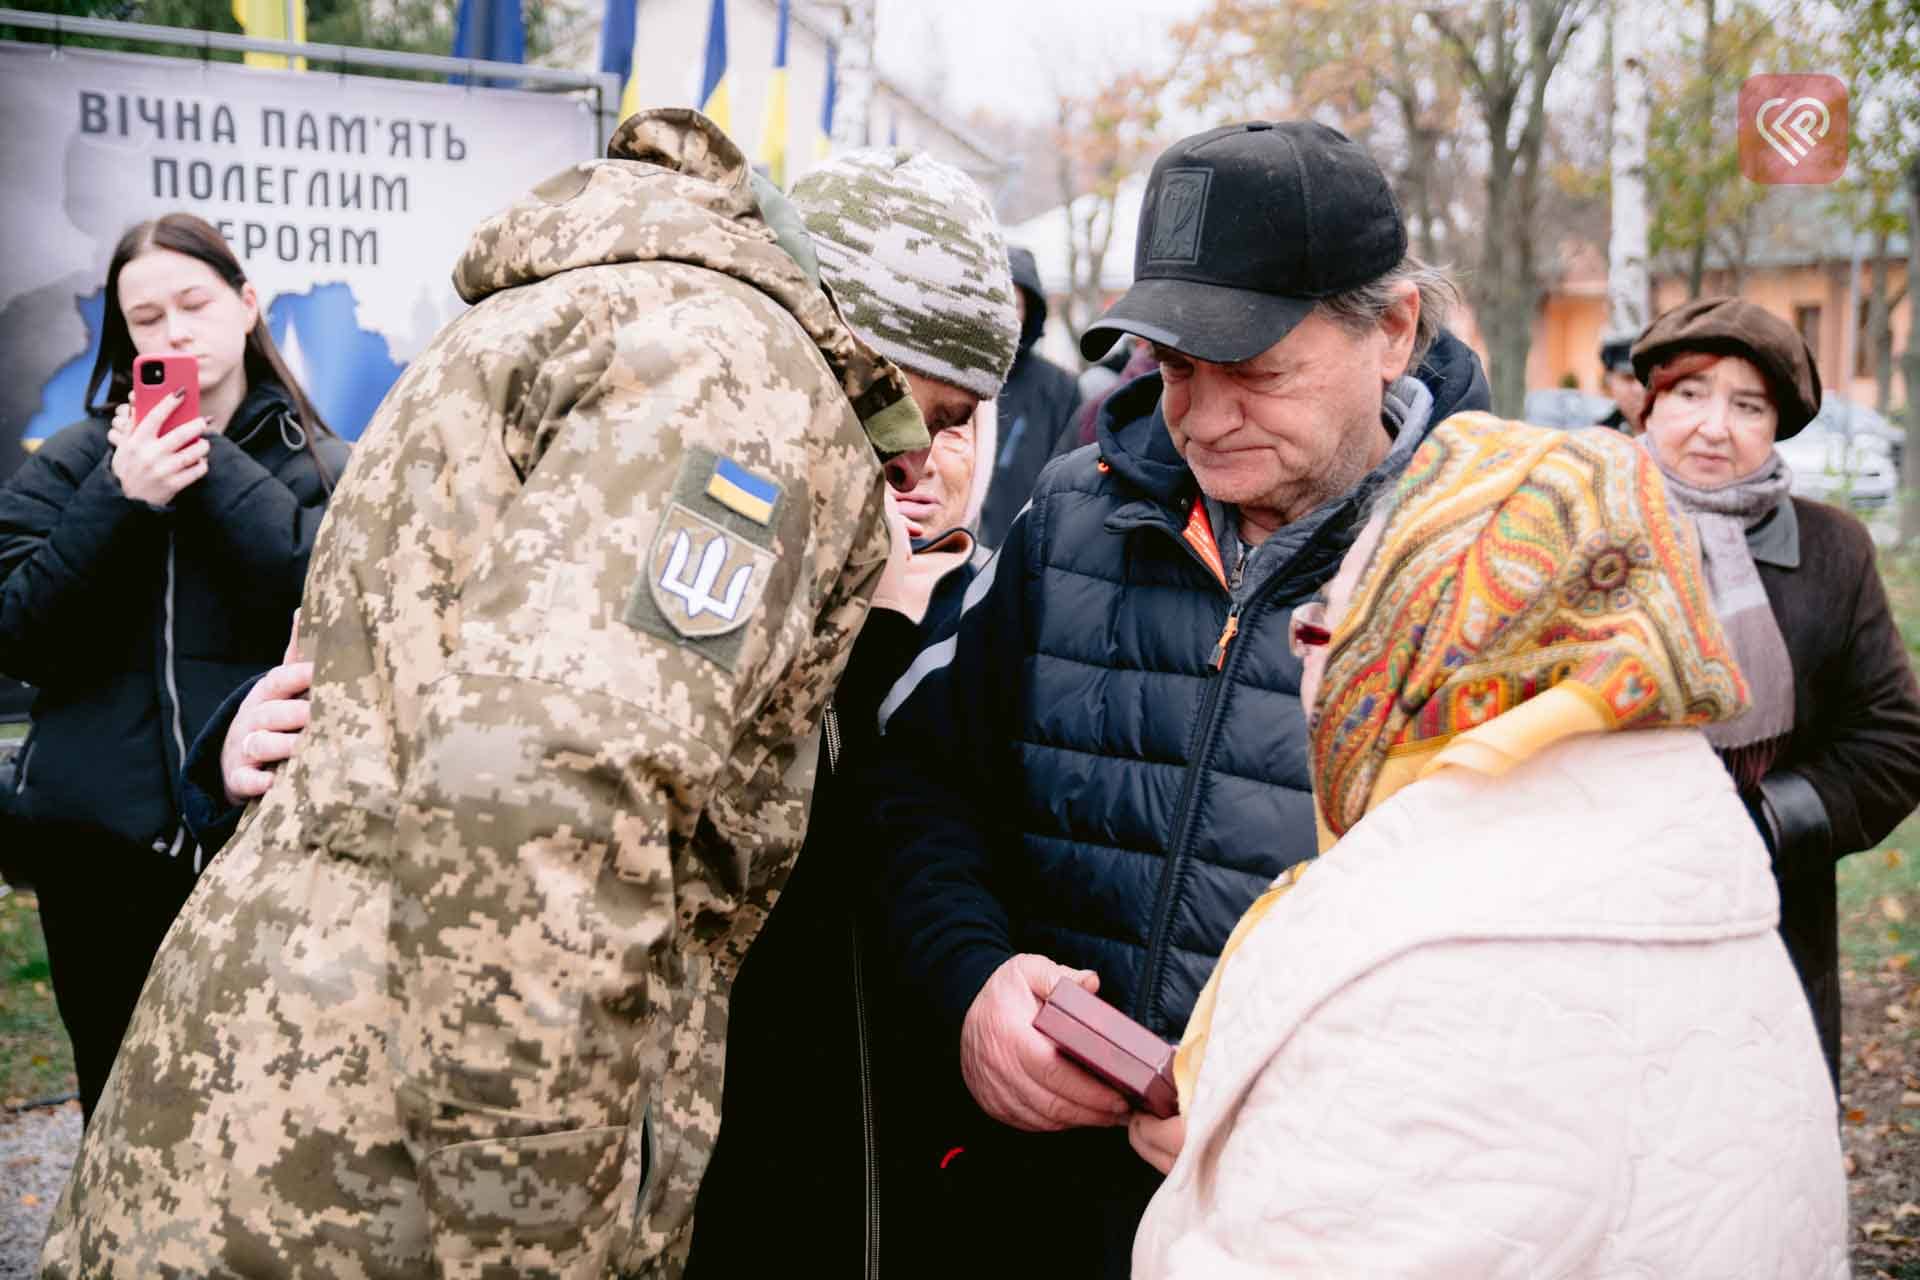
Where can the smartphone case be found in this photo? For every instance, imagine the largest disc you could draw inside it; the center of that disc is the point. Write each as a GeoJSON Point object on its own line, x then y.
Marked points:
{"type": "Point", "coordinates": [1111, 1046]}
{"type": "Point", "coordinates": [182, 373]}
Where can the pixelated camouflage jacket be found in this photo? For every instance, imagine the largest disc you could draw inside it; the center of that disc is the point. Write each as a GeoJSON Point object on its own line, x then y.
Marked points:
{"type": "Point", "coordinates": [454, 1000]}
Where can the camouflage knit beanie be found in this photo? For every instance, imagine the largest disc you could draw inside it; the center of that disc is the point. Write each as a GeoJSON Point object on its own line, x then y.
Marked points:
{"type": "Point", "coordinates": [915, 257]}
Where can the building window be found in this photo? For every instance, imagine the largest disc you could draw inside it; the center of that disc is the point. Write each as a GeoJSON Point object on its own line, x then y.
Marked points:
{"type": "Point", "coordinates": [1807, 321]}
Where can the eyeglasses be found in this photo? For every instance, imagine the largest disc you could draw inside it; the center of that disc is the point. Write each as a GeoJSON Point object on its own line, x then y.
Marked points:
{"type": "Point", "coordinates": [1309, 628]}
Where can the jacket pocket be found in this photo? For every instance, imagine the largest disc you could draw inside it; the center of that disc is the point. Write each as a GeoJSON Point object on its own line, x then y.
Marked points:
{"type": "Point", "coordinates": [546, 1204]}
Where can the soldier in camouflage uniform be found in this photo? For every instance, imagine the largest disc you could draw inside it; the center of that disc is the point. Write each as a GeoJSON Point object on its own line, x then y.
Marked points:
{"type": "Point", "coordinates": [453, 1001]}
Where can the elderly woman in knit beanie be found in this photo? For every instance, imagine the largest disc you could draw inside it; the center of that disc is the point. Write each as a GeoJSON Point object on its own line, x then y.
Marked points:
{"type": "Point", "coordinates": [1527, 1013]}
{"type": "Point", "coordinates": [905, 244]}
{"type": "Point", "coordinates": [910, 250]}
{"type": "Point", "coordinates": [1828, 757]}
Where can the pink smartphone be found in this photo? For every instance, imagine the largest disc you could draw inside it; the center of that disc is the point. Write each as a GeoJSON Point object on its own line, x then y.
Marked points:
{"type": "Point", "coordinates": [157, 377]}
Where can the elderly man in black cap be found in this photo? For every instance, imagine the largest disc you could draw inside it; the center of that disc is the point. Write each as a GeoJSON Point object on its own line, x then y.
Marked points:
{"type": "Point", "coordinates": [1622, 385]}
{"type": "Point", "coordinates": [1103, 759]}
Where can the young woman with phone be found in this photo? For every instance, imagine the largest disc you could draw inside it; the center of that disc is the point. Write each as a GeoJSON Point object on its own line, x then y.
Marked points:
{"type": "Point", "coordinates": [151, 558]}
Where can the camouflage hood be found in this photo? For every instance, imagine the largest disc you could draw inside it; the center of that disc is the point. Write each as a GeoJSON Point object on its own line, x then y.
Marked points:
{"type": "Point", "coordinates": [674, 188]}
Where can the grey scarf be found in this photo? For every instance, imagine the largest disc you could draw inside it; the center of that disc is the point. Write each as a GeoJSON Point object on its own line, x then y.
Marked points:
{"type": "Point", "coordinates": [1723, 516]}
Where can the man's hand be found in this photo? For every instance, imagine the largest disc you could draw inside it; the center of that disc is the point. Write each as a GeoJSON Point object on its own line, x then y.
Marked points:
{"type": "Point", "coordinates": [1016, 1074]}
{"type": "Point", "coordinates": [1157, 1141]}
{"type": "Point", "coordinates": [151, 467]}
{"type": "Point", "coordinates": [265, 730]}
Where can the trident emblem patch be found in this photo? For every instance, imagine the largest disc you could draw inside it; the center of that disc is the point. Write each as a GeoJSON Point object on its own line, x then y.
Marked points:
{"type": "Point", "coordinates": [705, 581]}
{"type": "Point", "coordinates": [698, 594]}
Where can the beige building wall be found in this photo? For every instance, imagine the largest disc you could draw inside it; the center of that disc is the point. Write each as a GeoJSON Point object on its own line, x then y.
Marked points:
{"type": "Point", "coordinates": [1814, 298]}
{"type": "Point", "coordinates": [1568, 332]}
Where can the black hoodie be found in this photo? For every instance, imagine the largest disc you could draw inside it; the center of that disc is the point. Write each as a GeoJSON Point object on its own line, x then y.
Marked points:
{"type": "Point", "coordinates": [1037, 407]}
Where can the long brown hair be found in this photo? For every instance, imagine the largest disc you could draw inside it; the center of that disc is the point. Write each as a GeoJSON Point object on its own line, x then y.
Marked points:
{"type": "Point", "coordinates": [198, 239]}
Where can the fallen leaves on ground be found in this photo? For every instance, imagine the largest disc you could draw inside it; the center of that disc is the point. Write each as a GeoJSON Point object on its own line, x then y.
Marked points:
{"type": "Point", "coordinates": [1880, 1106]}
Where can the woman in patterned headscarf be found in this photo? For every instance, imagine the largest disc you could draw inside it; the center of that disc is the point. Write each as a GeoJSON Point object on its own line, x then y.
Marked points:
{"type": "Point", "coordinates": [1527, 1015]}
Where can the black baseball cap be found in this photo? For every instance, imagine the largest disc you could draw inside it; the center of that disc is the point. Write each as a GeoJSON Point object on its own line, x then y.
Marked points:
{"type": "Point", "coordinates": [1242, 230]}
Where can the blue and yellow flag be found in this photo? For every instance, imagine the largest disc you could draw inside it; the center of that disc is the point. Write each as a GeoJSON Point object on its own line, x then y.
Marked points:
{"type": "Point", "coordinates": [616, 51]}
{"type": "Point", "coordinates": [267, 19]}
{"type": "Point", "coordinates": [824, 143]}
{"type": "Point", "coordinates": [738, 489]}
{"type": "Point", "coordinates": [492, 30]}
{"type": "Point", "coordinates": [713, 82]}
{"type": "Point", "coordinates": [773, 128]}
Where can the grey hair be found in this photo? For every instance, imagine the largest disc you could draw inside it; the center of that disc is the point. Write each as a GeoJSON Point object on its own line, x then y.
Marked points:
{"type": "Point", "coordinates": [1358, 310]}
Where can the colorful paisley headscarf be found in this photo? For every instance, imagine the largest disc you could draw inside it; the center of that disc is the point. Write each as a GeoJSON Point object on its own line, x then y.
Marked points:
{"type": "Point", "coordinates": [1517, 560]}
{"type": "Point", "coordinates": [1528, 585]}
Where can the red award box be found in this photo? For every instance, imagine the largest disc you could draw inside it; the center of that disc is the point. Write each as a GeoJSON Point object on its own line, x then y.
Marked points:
{"type": "Point", "coordinates": [1110, 1045]}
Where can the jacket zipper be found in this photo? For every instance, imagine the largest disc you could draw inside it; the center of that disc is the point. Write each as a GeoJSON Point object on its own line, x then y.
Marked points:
{"type": "Point", "coordinates": [1209, 704]}
{"type": "Point", "coordinates": [830, 731]}
{"type": "Point", "coordinates": [1179, 851]}
{"type": "Point", "coordinates": [1227, 633]}
{"type": "Point", "coordinates": [872, 1245]}
{"type": "Point", "coordinates": [173, 696]}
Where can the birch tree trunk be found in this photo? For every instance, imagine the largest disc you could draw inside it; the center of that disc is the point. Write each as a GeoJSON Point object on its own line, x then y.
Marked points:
{"type": "Point", "coordinates": [1629, 304]}
{"type": "Point", "coordinates": [853, 112]}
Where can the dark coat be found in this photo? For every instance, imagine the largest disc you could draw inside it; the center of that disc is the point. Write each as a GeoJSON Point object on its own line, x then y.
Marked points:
{"type": "Point", "coordinates": [1850, 773]}
{"type": "Point", "coordinates": [811, 1134]}
{"type": "Point", "coordinates": [1085, 771]}
{"type": "Point", "coordinates": [134, 623]}
{"type": "Point", "coordinates": [1036, 405]}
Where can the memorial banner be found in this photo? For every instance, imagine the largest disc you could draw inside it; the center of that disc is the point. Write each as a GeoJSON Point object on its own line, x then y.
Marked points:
{"type": "Point", "coordinates": [346, 199]}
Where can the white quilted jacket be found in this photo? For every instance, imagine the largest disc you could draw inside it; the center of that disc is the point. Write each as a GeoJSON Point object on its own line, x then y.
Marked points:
{"type": "Point", "coordinates": [1537, 1026]}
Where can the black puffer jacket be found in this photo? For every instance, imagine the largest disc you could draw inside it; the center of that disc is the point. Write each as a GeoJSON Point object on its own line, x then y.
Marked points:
{"type": "Point", "coordinates": [1037, 407]}
{"type": "Point", "coordinates": [134, 623]}
{"type": "Point", "coordinates": [1081, 769]}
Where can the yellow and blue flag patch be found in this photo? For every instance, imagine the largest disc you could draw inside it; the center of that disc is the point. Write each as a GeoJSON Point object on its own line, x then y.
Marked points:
{"type": "Point", "coordinates": [738, 489]}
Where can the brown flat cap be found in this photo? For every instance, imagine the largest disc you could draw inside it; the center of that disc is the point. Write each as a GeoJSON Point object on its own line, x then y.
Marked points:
{"type": "Point", "coordinates": [1729, 326]}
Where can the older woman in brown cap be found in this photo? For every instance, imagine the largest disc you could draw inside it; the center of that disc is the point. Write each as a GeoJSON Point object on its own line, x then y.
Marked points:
{"type": "Point", "coordinates": [1828, 756]}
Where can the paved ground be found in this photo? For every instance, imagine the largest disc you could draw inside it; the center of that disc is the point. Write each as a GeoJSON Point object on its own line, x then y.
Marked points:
{"type": "Point", "coordinates": [36, 1151]}
{"type": "Point", "coordinates": [1880, 1103]}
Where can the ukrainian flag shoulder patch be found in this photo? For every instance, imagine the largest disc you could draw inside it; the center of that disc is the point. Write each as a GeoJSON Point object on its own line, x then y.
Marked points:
{"type": "Point", "coordinates": [740, 490]}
